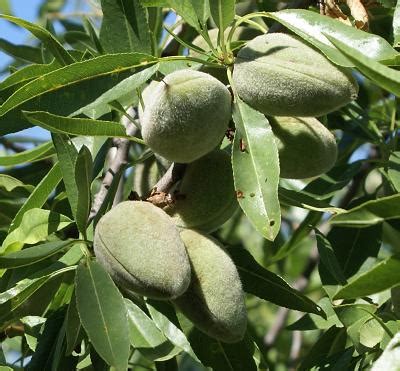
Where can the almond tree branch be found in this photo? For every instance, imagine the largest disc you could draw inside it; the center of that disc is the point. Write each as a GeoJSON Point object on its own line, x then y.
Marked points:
{"type": "Point", "coordinates": [120, 147]}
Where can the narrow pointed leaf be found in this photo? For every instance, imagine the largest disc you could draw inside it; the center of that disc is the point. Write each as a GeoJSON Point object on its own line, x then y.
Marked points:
{"type": "Point", "coordinates": [103, 314]}
{"type": "Point", "coordinates": [45, 36]}
{"type": "Point", "coordinates": [328, 257]}
{"type": "Point", "coordinates": [370, 213]}
{"type": "Point", "coordinates": [258, 281]}
{"type": "Point", "coordinates": [187, 10]}
{"type": "Point", "coordinates": [24, 52]}
{"type": "Point", "coordinates": [222, 356]}
{"type": "Point", "coordinates": [256, 169]}
{"type": "Point", "coordinates": [128, 86]}
{"type": "Point", "coordinates": [382, 276]}
{"type": "Point", "coordinates": [83, 180]}
{"type": "Point", "coordinates": [28, 73]}
{"type": "Point", "coordinates": [146, 337]}
{"type": "Point", "coordinates": [67, 89]}
{"type": "Point", "coordinates": [78, 126]}
{"type": "Point", "coordinates": [35, 154]}
{"type": "Point", "coordinates": [312, 27]}
{"type": "Point", "coordinates": [73, 325]}
{"type": "Point", "coordinates": [385, 77]}
{"type": "Point", "coordinates": [32, 254]}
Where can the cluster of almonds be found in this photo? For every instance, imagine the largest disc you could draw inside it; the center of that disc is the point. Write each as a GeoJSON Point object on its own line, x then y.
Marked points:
{"type": "Point", "coordinates": [165, 253]}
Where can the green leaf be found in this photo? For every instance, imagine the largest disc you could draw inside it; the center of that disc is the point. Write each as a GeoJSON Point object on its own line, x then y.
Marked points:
{"type": "Point", "coordinates": [67, 155]}
{"type": "Point", "coordinates": [83, 181]}
{"type": "Point", "coordinates": [103, 314]}
{"type": "Point", "coordinates": [36, 225]}
{"type": "Point", "coordinates": [382, 276]}
{"type": "Point", "coordinates": [67, 89]}
{"type": "Point", "coordinates": [312, 27]}
{"type": "Point", "coordinates": [370, 213]}
{"type": "Point", "coordinates": [222, 356]}
{"type": "Point", "coordinates": [300, 199]}
{"type": "Point", "coordinates": [39, 195]}
{"type": "Point", "coordinates": [390, 358]}
{"type": "Point", "coordinates": [35, 154]}
{"type": "Point", "coordinates": [5, 7]}
{"type": "Point", "coordinates": [130, 30]}
{"type": "Point", "coordinates": [128, 86]}
{"type": "Point", "coordinates": [202, 9]}
{"type": "Point", "coordinates": [187, 10]}
{"type": "Point", "coordinates": [73, 325]}
{"type": "Point", "coordinates": [328, 257]}
{"type": "Point", "coordinates": [78, 126]}
{"type": "Point", "coordinates": [32, 254]}
{"type": "Point", "coordinates": [45, 36]}
{"type": "Point", "coordinates": [396, 25]}
{"type": "Point", "coordinates": [328, 344]}
{"type": "Point", "coordinates": [146, 337]}
{"type": "Point", "coordinates": [28, 73]}
{"type": "Point", "coordinates": [258, 281]}
{"type": "Point", "coordinates": [165, 319]}
{"type": "Point", "coordinates": [24, 52]}
{"type": "Point", "coordinates": [12, 299]}
{"type": "Point", "coordinates": [385, 77]}
{"type": "Point", "coordinates": [394, 170]}
{"type": "Point", "coordinates": [222, 12]}
{"type": "Point", "coordinates": [9, 184]}
{"type": "Point", "coordinates": [256, 169]}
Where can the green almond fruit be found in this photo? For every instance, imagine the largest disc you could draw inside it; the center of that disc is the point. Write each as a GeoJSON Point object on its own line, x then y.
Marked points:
{"type": "Point", "coordinates": [279, 75]}
{"type": "Point", "coordinates": [306, 147]}
{"type": "Point", "coordinates": [205, 197]}
{"type": "Point", "coordinates": [140, 247]}
{"type": "Point", "coordinates": [214, 301]}
{"type": "Point", "coordinates": [187, 115]}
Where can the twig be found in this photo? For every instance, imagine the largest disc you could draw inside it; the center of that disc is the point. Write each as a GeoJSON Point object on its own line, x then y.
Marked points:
{"type": "Point", "coordinates": [174, 173]}
{"type": "Point", "coordinates": [7, 144]}
{"type": "Point", "coordinates": [119, 160]}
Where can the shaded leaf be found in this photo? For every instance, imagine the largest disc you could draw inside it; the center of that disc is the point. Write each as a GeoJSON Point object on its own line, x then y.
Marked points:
{"type": "Point", "coordinates": [312, 27]}
{"type": "Point", "coordinates": [33, 254]}
{"type": "Point", "coordinates": [222, 12]}
{"type": "Point", "coordinates": [370, 213]}
{"type": "Point", "coordinates": [256, 169]}
{"type": "Point", "coordinates": [35, 154]}
{"type": "Point", "coordinates": [36, 225]}
{"type": "Point", "coordinates": [328, 257]}
{"type": "Point", "coordinates": [39, 195]}
{"type": "Point", "coordinates": [382, 276]}
{"type": "Point", "coordinates": [130, 30]}
{"type": "Point", "coordinates": [103, 314]}
{"type": "Point", "coordinates": [258, 281]}
{"type": "Point", "coordinates": [73, 325]}
{"type": "Point", "coordinates": [222, 356]}
{"type": "Point", "coordinates": [300, 199]}
{"type": "Point", "coordinates": [24, 52]}
{"type": "Point", "coordinates": [28, 73]}
{"type": "Point", "coordinates": [83, 181]}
